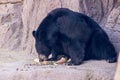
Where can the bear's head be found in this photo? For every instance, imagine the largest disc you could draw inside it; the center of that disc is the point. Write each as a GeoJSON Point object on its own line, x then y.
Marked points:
{"type": "Point", "coordinates": [41, 47]}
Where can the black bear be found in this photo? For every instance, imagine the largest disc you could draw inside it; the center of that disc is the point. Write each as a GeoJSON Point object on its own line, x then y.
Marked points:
{"type": "Point", "coordinates": [72, 34]}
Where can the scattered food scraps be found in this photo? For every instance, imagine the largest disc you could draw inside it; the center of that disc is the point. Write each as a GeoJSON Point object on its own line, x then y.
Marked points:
{"type": "Point", "coordinates": [60, 61]}
{"type": "Point", "coordinates": [36, 60]}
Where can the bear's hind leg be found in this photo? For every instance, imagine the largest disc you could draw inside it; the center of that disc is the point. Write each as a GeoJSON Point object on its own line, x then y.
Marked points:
{"type": "Point", "coordinates": [112, 60]}
{"type": "Point", "coordinates": [102, 48]}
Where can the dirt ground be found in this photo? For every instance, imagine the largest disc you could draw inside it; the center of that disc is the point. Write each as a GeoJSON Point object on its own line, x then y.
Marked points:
{"type": "Point", "coordinates": [20, 66]}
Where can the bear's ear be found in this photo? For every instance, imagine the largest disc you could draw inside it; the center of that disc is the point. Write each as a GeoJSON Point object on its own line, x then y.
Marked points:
{"type": "Point", "coordinates": [33, 33]}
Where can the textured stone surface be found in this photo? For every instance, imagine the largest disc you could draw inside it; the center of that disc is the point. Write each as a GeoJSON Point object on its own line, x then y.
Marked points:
{"type": "Point", "coordinates": [117, 74]}
{"type": "Point", "coordinates": [113, 25]}
{"type": "Point", "coordinates": [10, 25]}
{"type": "Point", "coordinates": [16, 66]}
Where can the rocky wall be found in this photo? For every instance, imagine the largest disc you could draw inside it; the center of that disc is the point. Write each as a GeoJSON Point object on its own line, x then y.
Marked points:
{"type": "Point", "coordinates": [18, 18]}
{"type": "Point", "coordinates": [10, 24]}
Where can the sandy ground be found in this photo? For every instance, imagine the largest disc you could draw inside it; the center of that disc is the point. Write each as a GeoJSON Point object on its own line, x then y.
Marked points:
{"type": "Point", "coordinates": [19, 66]}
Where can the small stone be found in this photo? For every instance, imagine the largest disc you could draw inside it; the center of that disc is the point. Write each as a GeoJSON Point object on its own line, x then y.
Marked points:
{"type": "Point", "coordinates": [17, 69]}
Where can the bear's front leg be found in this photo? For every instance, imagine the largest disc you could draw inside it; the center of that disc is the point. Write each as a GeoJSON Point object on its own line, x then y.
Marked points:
{"type": "Point", "coordinates": [76, 52]}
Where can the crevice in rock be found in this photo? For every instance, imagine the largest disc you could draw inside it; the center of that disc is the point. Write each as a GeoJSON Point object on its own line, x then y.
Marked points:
{"type": "Point", "coordinates": [61, 3]}
{"type": "Point", "coordinates": [11, 2]}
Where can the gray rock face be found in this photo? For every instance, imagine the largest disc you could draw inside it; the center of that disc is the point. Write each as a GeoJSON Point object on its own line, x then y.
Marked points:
{"type": "Point", "coordinates": [113, 25]}
{"type": "Point", "coordinates": [10, 24]}
{"type": "Point", "coordinates": [19, 17]}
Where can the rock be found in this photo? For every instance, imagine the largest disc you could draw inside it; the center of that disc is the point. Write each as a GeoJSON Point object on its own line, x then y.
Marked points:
{"type": "Point", "coordinates": [16, 66]}
{"type": "Point", "coordinates": [117, 74]}
{"type": "Point", "coordinates": [10, 1]}
{"type": "Point", "coordinates": [113, 24]}
{"type": "Point", "coordinates": [10, 25]}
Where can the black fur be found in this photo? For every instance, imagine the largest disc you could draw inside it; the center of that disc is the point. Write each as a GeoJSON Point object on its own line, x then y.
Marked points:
{"type": "Point", "coordinates": [75, 35]}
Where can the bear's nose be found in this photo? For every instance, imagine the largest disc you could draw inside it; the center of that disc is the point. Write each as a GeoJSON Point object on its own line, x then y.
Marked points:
{"type": "Point", "coordinates": [41, 60]}
{"type": "Point", "coordinates": [42, 57]}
